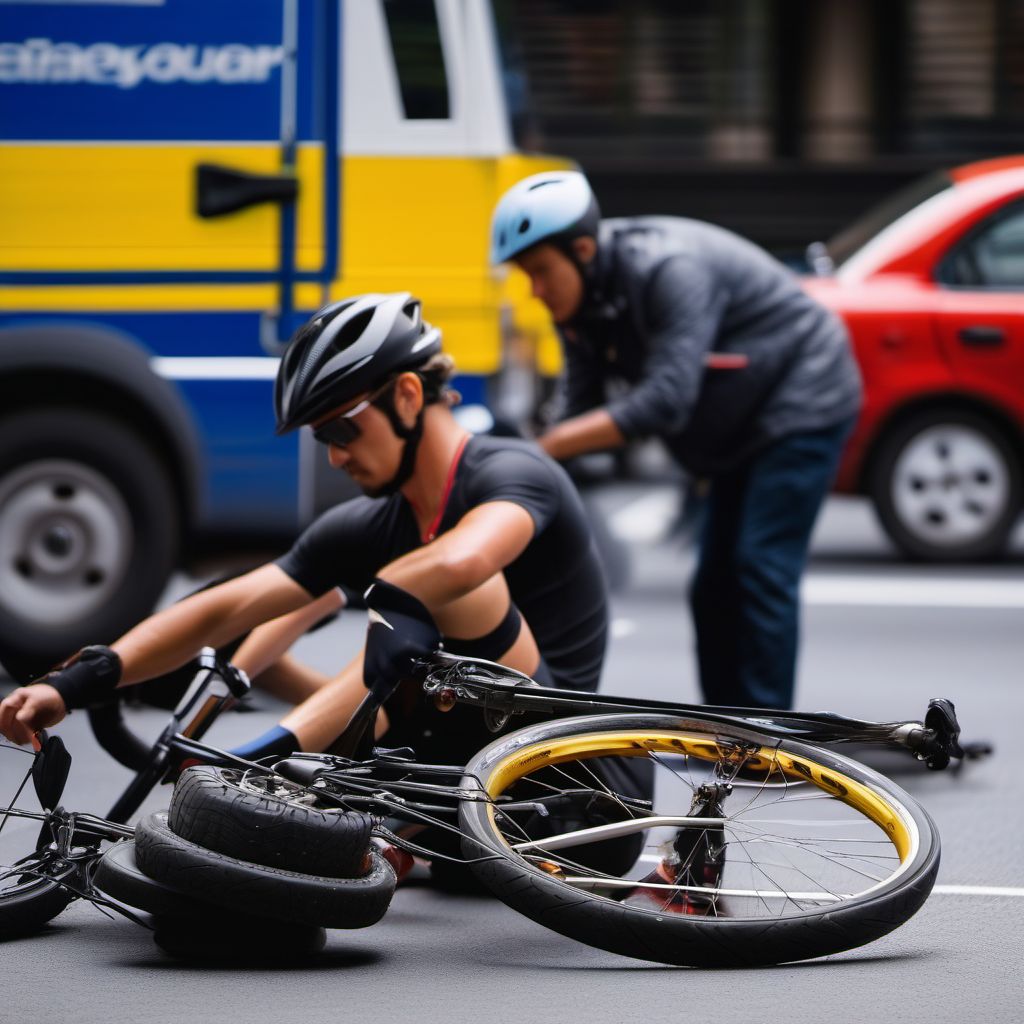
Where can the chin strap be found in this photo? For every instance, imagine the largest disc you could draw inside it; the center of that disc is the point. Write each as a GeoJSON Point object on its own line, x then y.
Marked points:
{"type": "Point", "coordinates": [411, 436]}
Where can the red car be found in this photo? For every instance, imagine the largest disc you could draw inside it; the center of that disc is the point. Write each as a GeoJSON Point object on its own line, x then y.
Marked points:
{"type": "Point", "coordinates": [931, 286]}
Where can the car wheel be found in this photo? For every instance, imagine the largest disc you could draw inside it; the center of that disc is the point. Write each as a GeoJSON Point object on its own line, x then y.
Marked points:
{"type": "Point", "coordinates": [947, 487]}
{"type": "Point", "coordinates": [88, 534]}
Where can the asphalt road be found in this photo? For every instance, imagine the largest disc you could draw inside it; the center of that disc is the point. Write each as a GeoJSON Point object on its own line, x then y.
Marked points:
{"type": "Point", "coordinates": [879, 638]}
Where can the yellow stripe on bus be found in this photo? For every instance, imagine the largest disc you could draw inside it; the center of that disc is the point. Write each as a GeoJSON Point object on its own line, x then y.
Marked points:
{"type": "Point", "coordinates": [407, 223]}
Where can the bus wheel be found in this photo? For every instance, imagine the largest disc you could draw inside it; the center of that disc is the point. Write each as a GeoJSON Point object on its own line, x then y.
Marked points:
{"type": "Point", "coordinates": [88, 534]}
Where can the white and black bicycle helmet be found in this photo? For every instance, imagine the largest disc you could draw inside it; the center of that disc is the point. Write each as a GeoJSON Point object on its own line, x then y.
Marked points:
{"type": "Point", "coordinates": [553, 206]}
{"type": "Point", "coordinates": [346, 349]}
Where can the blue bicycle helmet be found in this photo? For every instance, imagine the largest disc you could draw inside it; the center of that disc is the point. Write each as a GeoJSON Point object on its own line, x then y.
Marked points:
{"type": "Point", "coordinates": [554, 206]}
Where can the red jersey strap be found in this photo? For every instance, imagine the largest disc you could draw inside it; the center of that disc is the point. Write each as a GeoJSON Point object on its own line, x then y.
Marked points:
{"type": "Point", "coordinates": [431, 531]}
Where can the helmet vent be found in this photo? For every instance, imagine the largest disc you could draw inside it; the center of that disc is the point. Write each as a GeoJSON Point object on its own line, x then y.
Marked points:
{"type": "Point", "coordinates": [352, 331]}
{"type": "Point", "coordinates": [329, 342]}
{"type": "Point", "coordinates": [541, 184]}
{"type": "Point", "coordinates": [524, 225]}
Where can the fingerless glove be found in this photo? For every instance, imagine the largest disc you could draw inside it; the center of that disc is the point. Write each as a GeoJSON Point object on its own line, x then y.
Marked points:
{"type": "Point", "coordinates": [87, 677]}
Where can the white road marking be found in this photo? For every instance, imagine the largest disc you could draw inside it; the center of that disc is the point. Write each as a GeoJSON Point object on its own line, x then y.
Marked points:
{"type": "Point", "coordinates": [647, 519]}
{"type": "Point", "coordinates": [924, 591]}
{"type": "Point", "coordinates": [893, 592]}
{"type": "Point", "coordinates": [978, 890]}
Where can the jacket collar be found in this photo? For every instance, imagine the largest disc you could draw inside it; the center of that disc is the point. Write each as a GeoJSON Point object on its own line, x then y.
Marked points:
{"type": "Point", "coordinates": [602, 301]}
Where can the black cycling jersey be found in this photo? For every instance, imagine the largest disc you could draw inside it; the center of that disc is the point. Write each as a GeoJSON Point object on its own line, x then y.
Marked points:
{"type": "Point", "coordinates": [556, 583]}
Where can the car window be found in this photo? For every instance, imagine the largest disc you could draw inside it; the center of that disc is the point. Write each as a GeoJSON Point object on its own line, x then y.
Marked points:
{"type": "Point", "coordinates": [843, 245]}
{"type": "Point", "coordinates": [991, 257]}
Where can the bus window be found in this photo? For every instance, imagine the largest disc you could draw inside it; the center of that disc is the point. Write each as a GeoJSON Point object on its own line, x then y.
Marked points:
{"type": "Point", "coordinates": [419, 59]}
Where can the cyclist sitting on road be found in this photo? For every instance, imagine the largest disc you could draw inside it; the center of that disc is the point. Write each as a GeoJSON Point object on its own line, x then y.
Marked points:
{"type": "Point", "coordinates": [456, 536]}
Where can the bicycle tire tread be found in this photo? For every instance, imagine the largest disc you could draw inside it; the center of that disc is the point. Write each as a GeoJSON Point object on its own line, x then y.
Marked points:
{"type": "Point", "coordinates": [699, 942]}
{"type": "Point", "coordinates": [267, 891]}
{"type": "Point", "coordinates": [208, 809]}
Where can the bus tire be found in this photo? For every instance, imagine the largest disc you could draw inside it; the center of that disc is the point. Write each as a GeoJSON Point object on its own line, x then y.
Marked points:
{"type": "Point", "coordinates": [89, 525]}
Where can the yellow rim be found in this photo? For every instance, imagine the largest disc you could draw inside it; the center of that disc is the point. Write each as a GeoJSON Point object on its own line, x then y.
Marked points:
{"type": "Point", "coordinates": [888, 817]}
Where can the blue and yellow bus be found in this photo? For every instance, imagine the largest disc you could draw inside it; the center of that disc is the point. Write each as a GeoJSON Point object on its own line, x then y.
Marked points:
{"type": "Point", "coordinates": [181, 183]}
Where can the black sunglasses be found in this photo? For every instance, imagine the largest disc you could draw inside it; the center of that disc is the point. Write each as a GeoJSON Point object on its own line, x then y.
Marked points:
{"type": "Point", "coordinates": [343, 430]}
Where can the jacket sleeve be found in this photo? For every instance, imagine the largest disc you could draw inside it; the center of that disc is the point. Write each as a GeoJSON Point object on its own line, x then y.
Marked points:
{"type": "Point", "coordinates": [683, 311]}
{"type": "Point", "coordinates": [582, 383]}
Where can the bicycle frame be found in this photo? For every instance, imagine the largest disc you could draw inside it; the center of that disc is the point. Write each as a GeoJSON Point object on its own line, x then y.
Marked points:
{"type": "Point", "coordinates": [497, 691]}
{"type": "Point", "coordinates": [501, 692]}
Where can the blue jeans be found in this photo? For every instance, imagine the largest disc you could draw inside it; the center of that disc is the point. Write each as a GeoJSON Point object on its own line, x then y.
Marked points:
{"type": "Point", "coordinates": [745, 596]}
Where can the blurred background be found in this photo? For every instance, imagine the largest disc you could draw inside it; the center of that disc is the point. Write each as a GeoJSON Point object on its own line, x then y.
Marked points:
{"type": "Point", "coordinates": [181, 187]}
{"type": "Point", "coordinates": [780, 120]}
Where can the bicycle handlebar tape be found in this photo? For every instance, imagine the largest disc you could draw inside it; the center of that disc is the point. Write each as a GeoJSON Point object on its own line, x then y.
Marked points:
{"type": "Point", "coordinates": [86, 678]}
{"type": "Point", "coordinates": [401, 631]}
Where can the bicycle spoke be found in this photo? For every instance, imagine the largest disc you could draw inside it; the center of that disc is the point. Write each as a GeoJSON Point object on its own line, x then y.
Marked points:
{"type": "Point", "coordinates": [10, 810]}
{"type": "Point", "coordinates": [833, 856]}
{"type": "Point", "coordinates": [664, 763]}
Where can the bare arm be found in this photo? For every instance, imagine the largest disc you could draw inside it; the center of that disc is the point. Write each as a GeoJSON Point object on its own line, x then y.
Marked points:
{"type": "Point", "coordinates": [484, 541]}
{"type": "Point", "coordinates": [589, 432]}
{"type": "Point", "coordinates": [269, 642]}
{"type": "Point", "coordinates": [210, 618]}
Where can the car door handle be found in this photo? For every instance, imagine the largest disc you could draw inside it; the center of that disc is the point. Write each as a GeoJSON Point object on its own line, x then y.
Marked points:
{"type": "Point", "coordinates": [982, 337]}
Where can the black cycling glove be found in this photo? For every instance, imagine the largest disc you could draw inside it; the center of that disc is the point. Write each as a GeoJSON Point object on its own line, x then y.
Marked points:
{"type": "Point", "coordinates": [86, 678]}
{"type": "Point", "coordinates": [401, 630]}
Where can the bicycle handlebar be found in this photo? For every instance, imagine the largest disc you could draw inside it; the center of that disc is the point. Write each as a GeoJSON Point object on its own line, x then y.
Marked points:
{"type": "Point", "coordinates": [113, 735]}
{"type": "Point", "coordinates": [217, 684]}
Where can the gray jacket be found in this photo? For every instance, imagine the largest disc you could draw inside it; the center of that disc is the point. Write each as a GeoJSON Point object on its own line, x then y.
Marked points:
{"type": "Point", "coordinates": [666, 291]}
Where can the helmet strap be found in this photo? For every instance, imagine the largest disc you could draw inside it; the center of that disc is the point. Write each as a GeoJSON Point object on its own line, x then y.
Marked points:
{"type": "Point", "coordinates": [411, 436]}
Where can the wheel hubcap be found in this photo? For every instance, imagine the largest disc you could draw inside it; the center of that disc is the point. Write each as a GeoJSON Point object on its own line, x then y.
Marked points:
{"type": "Point", "coordinates": [65, 541]}
{"type": "Point", "coordinates": [950, 485]}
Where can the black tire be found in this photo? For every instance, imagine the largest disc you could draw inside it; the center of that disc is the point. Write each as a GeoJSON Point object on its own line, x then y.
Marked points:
{"type": "Point", "coordinates": [119, 876]}
{"type": "Point", "coordinates": [29, 904]}
{"type": "Point", "coordinates": [456, 879]}
{"type": "Point", "coordinates": [946, 486]}
{"type": "Point", "coordinates": [731, 928]}
{"type": "Point", "coordinates": [268, 820]}
{"type": "Point", "coordinates": [194, 929]}
{"type": "Point", "coordinates": [238, 945]}
{"type": "Point", "coordinates": [89, 511]}
{"type": "Point", "coordinates": [239, 885]}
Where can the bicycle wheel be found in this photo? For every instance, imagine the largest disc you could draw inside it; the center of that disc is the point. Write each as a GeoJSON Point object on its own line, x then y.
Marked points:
{"type": "Point", "coordinates": [753, 850]}
{"type": "Point", "coordinates": [30, 873]}
{"type": "Point", "coordinates": [31, 893]}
